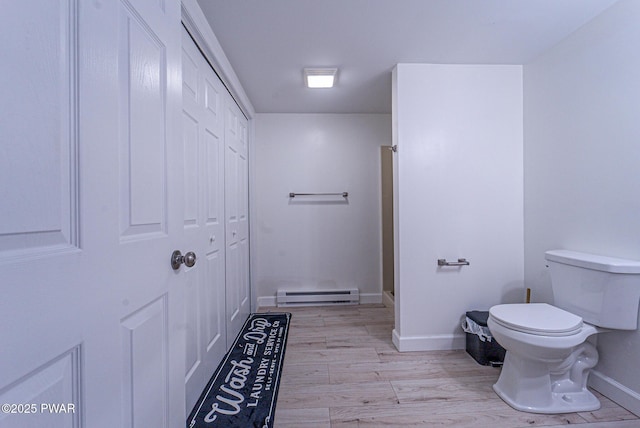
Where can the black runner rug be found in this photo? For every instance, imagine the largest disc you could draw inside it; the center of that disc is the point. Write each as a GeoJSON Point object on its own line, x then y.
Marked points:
{"type": "Point", "coordinates": [244, 388]}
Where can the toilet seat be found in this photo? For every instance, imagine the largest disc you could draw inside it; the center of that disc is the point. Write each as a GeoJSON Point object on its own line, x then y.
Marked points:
{"type": "Point", "coordinates": [536, 318]}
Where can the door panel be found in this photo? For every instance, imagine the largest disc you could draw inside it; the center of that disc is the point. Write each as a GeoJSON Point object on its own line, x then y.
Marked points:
{"type": "Point", "coordinates": [213, 307]}
{"type": "Point", "coordinates": [191, 171]}
{"type": "Point", "coordinates": [56, 382]}
{"type": "Point", "coordinates": [192, 300]}
{"type": "Point", "coordinates": [145, 337]}
{"type": "Point", "coordinates": [203, 222]}
{"type": "Point", "coordinates": [142, 132]}
{"type": "Point", "coordinates": [236, 220]}
{"type": "Point", "coordinates": [144, 168]}
{"type": "Point", "coordinates": [38, 110]}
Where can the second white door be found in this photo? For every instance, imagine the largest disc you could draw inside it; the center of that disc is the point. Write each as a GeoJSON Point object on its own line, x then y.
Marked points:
{"type": "Point", "coordinates": [236, 220]}
{"type": "Point", "coordinates": [215, 218]}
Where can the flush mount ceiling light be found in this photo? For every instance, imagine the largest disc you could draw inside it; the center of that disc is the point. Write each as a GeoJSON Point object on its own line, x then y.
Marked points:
{"type": "Point", "coordinates": [319, 77]}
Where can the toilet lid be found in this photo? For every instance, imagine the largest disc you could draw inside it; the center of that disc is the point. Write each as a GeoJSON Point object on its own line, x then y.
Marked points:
{"type": "Point", "coordinates": [537, 318]}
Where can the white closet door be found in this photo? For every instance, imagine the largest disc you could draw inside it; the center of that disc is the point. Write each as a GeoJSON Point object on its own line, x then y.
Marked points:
{"type": "Point", "coordinates": [236, 215]}
{"type": "Point", "coordinates": [203, 138]}
{"type": "Point", "coordinates": [91, 173]}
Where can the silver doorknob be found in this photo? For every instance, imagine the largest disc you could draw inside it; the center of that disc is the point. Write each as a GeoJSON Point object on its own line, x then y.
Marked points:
{"type": "Point", "coordinates": [177, 259]}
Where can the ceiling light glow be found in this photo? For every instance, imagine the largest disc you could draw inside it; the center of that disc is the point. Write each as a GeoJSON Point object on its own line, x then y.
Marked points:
{"type": "Point", "coordinates": [319, 77]}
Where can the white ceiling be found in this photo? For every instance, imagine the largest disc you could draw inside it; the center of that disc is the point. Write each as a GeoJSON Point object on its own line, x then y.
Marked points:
{"type": "Point", "coordinates": [269, 42]}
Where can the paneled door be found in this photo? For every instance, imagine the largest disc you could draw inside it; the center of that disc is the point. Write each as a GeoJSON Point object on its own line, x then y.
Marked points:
{"type": "Point", "coordinates": [203, 139]}
{"type": "Point", "coordinates": [91, 173]}
{"type": "Point", "coordinates": [236, 219]}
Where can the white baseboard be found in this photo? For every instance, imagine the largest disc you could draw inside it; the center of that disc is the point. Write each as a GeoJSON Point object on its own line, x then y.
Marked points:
{"type": "Point", "coordinates": [266, 301]}
{"type": "Point", "coordinates": [627, 398]}
{"type": "Point", "coordinates": [370, 298]}
{"type": "Point", "coordinates": [387, 299]}
{"type": "Point", "coordinates": [439, 342]}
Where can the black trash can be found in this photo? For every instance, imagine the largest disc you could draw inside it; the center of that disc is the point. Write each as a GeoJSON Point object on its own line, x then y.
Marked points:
{"type": "Point", "coordinates": [479, 342]}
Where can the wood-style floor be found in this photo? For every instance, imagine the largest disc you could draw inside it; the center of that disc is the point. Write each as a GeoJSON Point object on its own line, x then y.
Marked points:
{"type": "Point", "coordinates": [341, 370]}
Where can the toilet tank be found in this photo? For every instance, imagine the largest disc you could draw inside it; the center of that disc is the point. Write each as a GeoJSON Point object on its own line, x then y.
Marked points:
{"type": "Point", "coordinates": [604, 291]}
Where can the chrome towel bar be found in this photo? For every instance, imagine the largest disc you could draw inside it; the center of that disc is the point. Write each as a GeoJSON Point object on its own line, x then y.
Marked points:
{"type": "Point", "coordinates": [460, 262]}
{"type": "Point", "coordinates": [343, 194]}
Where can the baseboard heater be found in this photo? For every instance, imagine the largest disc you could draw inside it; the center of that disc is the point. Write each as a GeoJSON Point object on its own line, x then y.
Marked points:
{"type": "Point", "coordinates": [349, 296]}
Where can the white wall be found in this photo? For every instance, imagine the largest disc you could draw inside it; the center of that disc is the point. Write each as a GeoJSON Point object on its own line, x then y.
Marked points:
{"type": "Point", "coordinates": [317, 242]}
{"type": "Point", "coordinates": [582, 167]}
{"type": "Point", "coordinates": [458, 194]}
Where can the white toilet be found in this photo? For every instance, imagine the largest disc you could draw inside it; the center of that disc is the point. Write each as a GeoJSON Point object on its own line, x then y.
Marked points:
{"type": "Point", "coordinates": [548, 358]}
